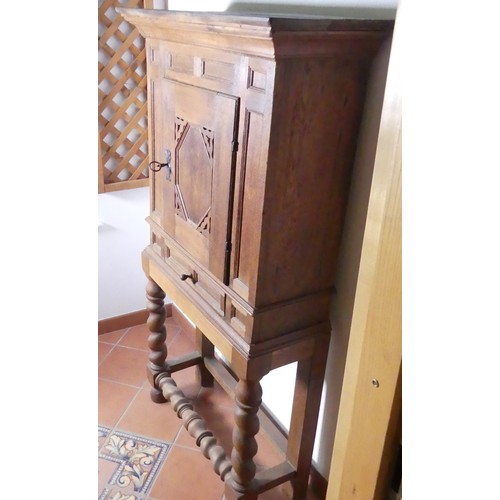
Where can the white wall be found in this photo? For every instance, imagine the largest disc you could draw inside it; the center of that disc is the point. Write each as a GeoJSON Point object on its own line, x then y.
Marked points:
{"type": "Point", "coordinates": [375, 9]}
{"type": "Point", "coordinates": [123, 234]}
{"type": "Point", "coordinates": [121, 281]}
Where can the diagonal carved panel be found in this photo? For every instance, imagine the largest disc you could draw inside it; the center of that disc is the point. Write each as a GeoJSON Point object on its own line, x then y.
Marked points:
{"type": "Point", "coordinates": [194, 155]}
{"type": "Point", "coordinates": [180, 125]}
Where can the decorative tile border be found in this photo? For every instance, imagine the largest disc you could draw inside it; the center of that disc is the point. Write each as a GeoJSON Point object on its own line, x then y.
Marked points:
{"type": "Point", "coordinates": [138, 461]}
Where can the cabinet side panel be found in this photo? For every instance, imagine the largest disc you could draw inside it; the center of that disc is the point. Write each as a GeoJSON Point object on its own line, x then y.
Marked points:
{"type": "Point", "coordinates": [313, 140]}
{"type": "Point", "coordinates": [256, 88]}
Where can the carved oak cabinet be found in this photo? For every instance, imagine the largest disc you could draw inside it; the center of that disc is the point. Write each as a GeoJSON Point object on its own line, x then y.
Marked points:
{"type": "Point", "coordinates": [253, 122]}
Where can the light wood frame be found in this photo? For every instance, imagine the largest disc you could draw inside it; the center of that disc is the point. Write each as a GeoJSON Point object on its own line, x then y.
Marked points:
{"type": "Point", "coordinates": [369, 421]}
{"type": "Point", "coordinates": [123, 143]}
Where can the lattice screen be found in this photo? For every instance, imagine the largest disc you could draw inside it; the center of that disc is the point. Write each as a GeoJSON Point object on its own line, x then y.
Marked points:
{"type": "Point", "coordinates": [123, 148]}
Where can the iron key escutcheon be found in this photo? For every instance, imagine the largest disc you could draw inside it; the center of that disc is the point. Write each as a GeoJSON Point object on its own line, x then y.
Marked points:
{"type": "Point", "coordinates": [156, 166]}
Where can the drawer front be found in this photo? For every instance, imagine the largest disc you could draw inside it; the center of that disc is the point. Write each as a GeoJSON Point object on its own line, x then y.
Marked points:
{"type": "Point", "coordinates": [195, 132]}
{"type": "Point", "coordinates": [192, 276]}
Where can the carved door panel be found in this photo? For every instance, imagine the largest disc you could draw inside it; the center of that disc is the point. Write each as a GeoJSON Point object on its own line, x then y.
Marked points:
{"type": "Point", "coordinates": [199, 131]}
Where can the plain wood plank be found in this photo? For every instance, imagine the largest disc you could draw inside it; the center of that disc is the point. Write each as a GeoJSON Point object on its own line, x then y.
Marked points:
{"type": "Point", "coordinates": [369, 413]}
{"type": "Point", "coordinates": [100, 166]}
{"type": "Point", "coordinates": [274, 476]}
{"type": "Point", "coordinates": [306, 403]}
{"type": "Point", "coordinates": [122, 185]}
{"type": "Point", "coordinates": [184, 361]}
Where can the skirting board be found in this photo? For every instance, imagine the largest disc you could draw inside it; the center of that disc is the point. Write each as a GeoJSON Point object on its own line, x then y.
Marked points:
{"type": "Point", "coordinates": [126, 320]}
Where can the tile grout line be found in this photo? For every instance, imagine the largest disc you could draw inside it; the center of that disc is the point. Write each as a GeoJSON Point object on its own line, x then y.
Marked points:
{"type": "Point", "coordinates": [125, 331]}
{"type": "Point", "coordinates": [139, 435]}
{"type": "Point", "coordinates": [117, 343]}
{"type": "Point", "coordinates": [125, 410]}
{"type": "Point", "coordinates": [144, 385]}
{"type": "Point", "coordinates": [168, 342]}
{"type": "Point", "coordinates": [105, 379]}
{"type": "Point", "coordinates": [170, 448]}
{"type": "Point", "coordinates": [174, 441]}
{"type": "Point", "coordinates": [115, 427]}
{"type": "Point", "coordinates": [109, 343]}
{"type": "Point", "coordinates": [139, 388]}
{"type": "Point", "coordinates": [129, 347]}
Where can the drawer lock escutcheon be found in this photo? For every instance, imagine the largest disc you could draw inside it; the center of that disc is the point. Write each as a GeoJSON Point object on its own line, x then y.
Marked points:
{"type": "Point", "coordinates": [156, 166]}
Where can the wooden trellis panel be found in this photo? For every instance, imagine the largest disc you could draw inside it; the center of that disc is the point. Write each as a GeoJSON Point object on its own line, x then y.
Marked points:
{"type": "Point", "coordinates": [123, 130]}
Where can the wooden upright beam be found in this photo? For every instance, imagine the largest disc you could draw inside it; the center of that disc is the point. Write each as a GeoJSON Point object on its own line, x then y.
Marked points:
{"type": "Point", "coordinates": [370, 406]}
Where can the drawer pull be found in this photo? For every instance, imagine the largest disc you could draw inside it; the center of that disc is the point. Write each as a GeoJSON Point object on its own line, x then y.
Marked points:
{"type": "Point", "coordinates": [192, 277]}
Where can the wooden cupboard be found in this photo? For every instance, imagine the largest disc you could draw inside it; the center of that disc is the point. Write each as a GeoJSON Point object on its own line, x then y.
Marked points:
{"type": "Point", "coordinates": [253, 123]}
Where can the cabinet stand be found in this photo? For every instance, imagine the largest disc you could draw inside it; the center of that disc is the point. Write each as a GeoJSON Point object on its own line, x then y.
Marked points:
{"type": "Point", "coordinates": [239, 470]}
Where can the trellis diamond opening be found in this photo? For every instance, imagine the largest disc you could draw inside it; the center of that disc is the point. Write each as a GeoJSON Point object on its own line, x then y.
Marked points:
{"type": "Point", "coordinates": [123, 151]}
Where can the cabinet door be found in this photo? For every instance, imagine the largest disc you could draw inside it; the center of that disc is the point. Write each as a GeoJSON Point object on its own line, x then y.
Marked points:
{"type": "Point", "coordinates": [199, 133]}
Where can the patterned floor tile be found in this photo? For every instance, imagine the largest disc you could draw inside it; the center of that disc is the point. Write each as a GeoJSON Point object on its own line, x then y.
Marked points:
{"type": "Point", "coordinates": [102, 434]}
{"type": "Point", "coordinates": [134, 460]}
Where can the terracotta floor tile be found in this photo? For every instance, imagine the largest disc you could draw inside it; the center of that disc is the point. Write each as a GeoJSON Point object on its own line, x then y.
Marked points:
{"type": "Point", "coordinates": [102, 351]}
{"type": "Point", "coordinates": [220, 421]}
{"type": "Point", "coordinates": [283, 492]}
{"type": "Point", "coordinates": [187, 475]}
{"type": "Point", "coordinates": [147, 418]}
{"type": "Point", "coordinates": [137, 337]}
{"type": "Point", "coordinates": [185, 439]}
{"type": "Point", "coordinates": [215, 395]}
{"type": "Point", "coordinates": [124, 402]}
{"type": "Point", "coordinates": [112, 337]}
{"type": "Point", "coordinates": [187, 382]}
{"type": "Point", "coordinates": [268, 454]}
{"type": "Point", "coordinates": [106, 469]}
{"type": "Point", "coordinates": [125, 365]}
{"type": "Point", "coordinates": [172, 332]}
{"type": "Point", "coordinates": [276, 493]}
{"type": "Point", "coordinates": [182, 321]}
{"type": "Point", "coordinates": [113, 399]}
{"type": "Point", "coordinates": [170, 320]}
{"type": "Point", "coordinates": [181, 344]}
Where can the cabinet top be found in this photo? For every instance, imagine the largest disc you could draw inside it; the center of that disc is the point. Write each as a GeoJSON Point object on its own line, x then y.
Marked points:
{"type": "Point", "coordinates": [257, 24]}
{"type": "Point", "coordinates": [267, 31]}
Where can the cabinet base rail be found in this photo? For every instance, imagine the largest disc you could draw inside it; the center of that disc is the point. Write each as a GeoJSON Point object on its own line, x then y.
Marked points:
{"type": "Point", "coordinates": [196, 427]}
